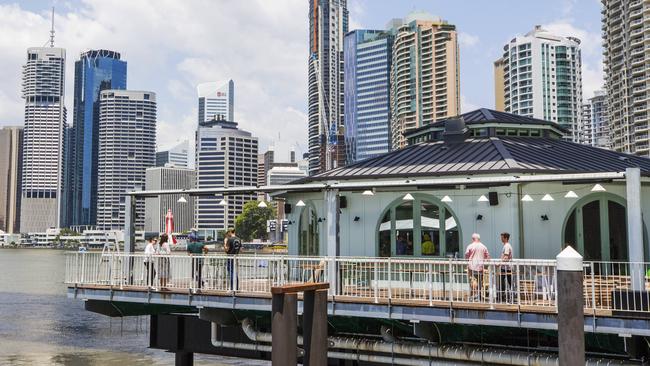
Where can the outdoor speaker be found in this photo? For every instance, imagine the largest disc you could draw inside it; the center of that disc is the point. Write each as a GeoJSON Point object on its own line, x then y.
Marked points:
{"type": "Point", "coordinates": [343, 202]}
{"type": "Point", "coordinates": [287, 208]}
{"type": "Point", "coordinates": [494, 198]}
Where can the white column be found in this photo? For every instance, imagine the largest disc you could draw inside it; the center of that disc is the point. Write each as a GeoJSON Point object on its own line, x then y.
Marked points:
{"type": "Point", "coordinates": [332, 234]}
{"type": "Point", "coordinates": [634, 226]}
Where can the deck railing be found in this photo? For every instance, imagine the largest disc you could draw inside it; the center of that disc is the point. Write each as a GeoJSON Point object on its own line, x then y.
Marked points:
{"type": "Point", "coordinates": [520, 284]}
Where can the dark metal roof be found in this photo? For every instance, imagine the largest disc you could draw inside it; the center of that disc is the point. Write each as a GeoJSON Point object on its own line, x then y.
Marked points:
{"type": "Point", "coordinates": [484, 115]}
{"type": "Point", "coordinates": [491, 155]}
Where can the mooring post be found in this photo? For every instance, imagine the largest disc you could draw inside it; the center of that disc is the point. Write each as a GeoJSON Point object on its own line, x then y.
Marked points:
{"type": "Point", "coordinates": [570, 308]}
{"type": "Point", "coordinates": [184, 358]}
{"type": "Point", "coordinates": [284, 329]}
{"type": "Point", "coordinates": [314, 319]}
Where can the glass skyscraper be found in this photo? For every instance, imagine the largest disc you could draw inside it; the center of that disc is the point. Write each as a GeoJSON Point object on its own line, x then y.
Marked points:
{"type": "Point", "coordinates": [95, 71]}
{"type": "Point", "coordinates": [367, 93]}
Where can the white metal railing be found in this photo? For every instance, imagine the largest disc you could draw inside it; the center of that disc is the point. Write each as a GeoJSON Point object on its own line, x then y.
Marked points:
{"type": "Point", "coordinates": [518, 284]}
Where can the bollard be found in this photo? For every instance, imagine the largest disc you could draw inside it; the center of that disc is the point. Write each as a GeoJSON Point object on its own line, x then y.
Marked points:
{"type": "Point", "coordinates": [184, 358]}
{"type": "Point", "coordinates": [284, 329]}
{"type": "Point", "coordinates": [570, 308]}
{"type": "Point", "coordinates": [315, 328]}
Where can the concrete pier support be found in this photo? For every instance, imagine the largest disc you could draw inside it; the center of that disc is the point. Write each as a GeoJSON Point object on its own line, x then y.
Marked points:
{"type": "Point", "coordinates": [184, 358]}
{"type": "Point", "coordinates": [570, 308]}
{"type": "Point", "coordinates": [284, 329]}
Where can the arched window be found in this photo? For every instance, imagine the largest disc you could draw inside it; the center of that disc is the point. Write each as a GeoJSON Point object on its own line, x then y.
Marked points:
{"type": "Point", "coordinates": [422, 227]}
{"type": "Point", "coordinates": [597, 228]}
{"type": "Point", "coordinates": [308, 231]}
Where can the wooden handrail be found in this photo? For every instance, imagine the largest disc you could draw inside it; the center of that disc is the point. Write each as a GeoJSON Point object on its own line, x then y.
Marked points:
{"type": "Point", "coordinates": [299, 287]}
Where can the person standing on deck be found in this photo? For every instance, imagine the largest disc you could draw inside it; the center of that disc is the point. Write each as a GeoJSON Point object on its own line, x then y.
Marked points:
{"type": "Point", "coordinates": [197, 249]}
{"type": "Point", "coordinates": [476, 254]}
{"type": "Point", "coordinates": [150, 250]}
{"type": "Point", "coordinates": [505, 277]}
{"type": "Point", "coordinates": [231, 245]}
{"type": "Point", "coordinates": [163, 265]}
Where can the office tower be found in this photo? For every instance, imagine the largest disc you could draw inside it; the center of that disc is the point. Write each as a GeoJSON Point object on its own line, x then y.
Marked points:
{"type": "Point", "coordinates": [163, 178]}
{"type": "Point", "coordinates": [425, 83]}
{"type": "Point", "coordinates": [284, 174]}
{"type": "Point", "coordinates": [542, 78]}
{"type": "Point", "coordinates": [127, 147]}
{"type": "Point", "coordinates": [595, 126]}
{"type": "Point", "coordinates": [216, 100]}
{"type": "Point", "coordinates": [11, 141]}
{"type": "Point", "coordinates": [367, 60]}
{"type": "Point", "coordinates": [95, 71]}
{"type": "Point", "coordinates": [226, 156]}
{"type": "Point", "coordinates": [328, 23]}
{"type": "Point", "coordinates": [177, 156]}
{"type": "Point", "coordinates": [264, 164]}
{"type": "Point", "coordinates": [44, 132]}
{"type": "Point", "coordinates": [626, 59]}
{"type": "Point", "coordinates": [499, 87]}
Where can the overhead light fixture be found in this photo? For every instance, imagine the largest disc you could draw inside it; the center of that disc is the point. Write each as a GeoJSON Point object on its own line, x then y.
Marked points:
{"type": "Point", "coordinates": [300, 204]}
{"type": "Point", "coordinates": [223, 202]}
{"type": "Point", "coordinates": [547, 197]}
{"type": "Point", "coordinates": [182, 200]}
{"type": "Point", "coordinates": [570, 194]}
{"type": "Point", "coordinates": [598, 188]}
{"type": "Point", "coordinates": [483, 199]}
{"type": "Point", "coordinates": [446, 199]}
{"type": "Point", "coordinates": [408, 197]}
{"type": "Point", "coordinates": [262, 204]}
{"type": "Point", "coordinates": [368, 192]}
{"type": "Point", "coordinates": [527, 198]}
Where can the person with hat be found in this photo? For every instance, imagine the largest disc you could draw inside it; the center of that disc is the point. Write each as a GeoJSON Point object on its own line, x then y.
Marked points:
{"type": "Point", "coordinates": [196, 249]}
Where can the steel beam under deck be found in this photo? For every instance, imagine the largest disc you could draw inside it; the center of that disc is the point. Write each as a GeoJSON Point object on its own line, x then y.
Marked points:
{"type": "Point", "coordinates": [593, 324]}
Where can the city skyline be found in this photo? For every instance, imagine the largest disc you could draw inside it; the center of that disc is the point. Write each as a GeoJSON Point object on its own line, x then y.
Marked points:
{"type": "Point", "coordinates": [272, 98]}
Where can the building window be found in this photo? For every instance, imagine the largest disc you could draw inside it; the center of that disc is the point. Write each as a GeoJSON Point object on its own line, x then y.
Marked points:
{"type": "Point", "coordinates": [423, 227]}
{"type": "Point", "coordinates": [308, 232]}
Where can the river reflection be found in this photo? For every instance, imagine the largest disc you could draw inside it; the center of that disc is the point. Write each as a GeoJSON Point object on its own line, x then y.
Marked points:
{"type": "Point", "coordinates": [39, 325]}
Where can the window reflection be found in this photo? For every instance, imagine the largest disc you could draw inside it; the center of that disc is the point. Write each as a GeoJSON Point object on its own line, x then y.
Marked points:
{"type": "Point", "coordinates": [430, 229]}
{"type": "Point", "coordinates": [404, 229]}
{"type": "Point", "coordinates": [384, 235]}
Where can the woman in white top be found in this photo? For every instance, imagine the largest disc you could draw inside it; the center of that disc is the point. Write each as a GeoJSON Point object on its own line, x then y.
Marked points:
{"type": "Point", "coordinates": [149, 251]}
{"type": "Point", "coordinates": [163, 264]}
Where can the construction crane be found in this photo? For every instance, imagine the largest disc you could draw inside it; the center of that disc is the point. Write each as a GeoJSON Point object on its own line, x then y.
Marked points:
{"type": "Point", "coordinates": [327, 125]}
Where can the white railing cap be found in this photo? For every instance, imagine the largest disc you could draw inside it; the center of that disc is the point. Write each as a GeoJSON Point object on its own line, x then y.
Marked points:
{"type": "Point", "coordinates": [569, 260]}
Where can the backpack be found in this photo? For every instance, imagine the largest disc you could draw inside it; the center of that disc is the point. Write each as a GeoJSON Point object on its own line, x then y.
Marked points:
{"type": "Point", "coordinates": [234, 245]}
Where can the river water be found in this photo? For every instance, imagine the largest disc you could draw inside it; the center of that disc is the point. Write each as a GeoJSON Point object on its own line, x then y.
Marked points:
{"type": "Point", "coordinates": [39, 325]}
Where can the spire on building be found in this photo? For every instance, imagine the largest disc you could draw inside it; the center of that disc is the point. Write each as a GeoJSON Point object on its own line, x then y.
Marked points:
{"type": "Point", "coordinates": [52, 30]}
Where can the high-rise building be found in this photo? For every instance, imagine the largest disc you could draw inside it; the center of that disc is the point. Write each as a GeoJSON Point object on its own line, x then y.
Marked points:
{"type": "Point", "coordinates": [626, 59]}
{"type": "Point", "coordinates": [43, 140]}
{"type": "Point", "coordinates": [11, 141]}
{"type": "Point", "coordinates": [367, 60]}
{"type": "Point", "coordinates": [284, 174]}
{"type": "Point", "coordinates": [499, 87]}
{"type": "Point", "coordinates": [177, 156]}
{"type": "Point", "coordinates": [542, 78]}
{"type": "Point", "coordinates": [264, 164]}
{"type": "Point", "coordinates": [127, 147]}
{"type": "Point", "coordinates": [95, 71]}
{"type": "Point", "coordinates": [216, 100]}
{"type": "Point", "coordinates": [595, 126]}
{"type": "Point", "coordinates": [425, 83]}
{"type": "Point", "coordinates": [162, 178]}
{"type": "Point", "coordinates": [226, 156]}
{"type": "Point", "coordinates": [328, 24]}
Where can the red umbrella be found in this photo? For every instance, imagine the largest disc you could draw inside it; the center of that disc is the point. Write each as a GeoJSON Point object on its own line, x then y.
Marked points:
{"type": "Point", "coordinates": [169, 226]}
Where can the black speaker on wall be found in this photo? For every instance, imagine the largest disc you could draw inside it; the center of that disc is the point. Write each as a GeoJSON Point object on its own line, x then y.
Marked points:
{"type": "Point", "coordinates": [287, 208]}
{"type": "Point", "coordinates": [494, 198]}
{"type": "Point", "coordinates": [343, 202]}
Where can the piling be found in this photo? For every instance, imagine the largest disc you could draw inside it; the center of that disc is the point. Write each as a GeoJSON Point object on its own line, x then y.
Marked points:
{"type": "Point", "coordinates": [570, 308]}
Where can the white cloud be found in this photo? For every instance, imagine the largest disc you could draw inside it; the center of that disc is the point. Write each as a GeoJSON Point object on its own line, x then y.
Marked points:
{"type": "Point", "coordinates": [466, 106]}
{"type": "Point", "coordinates": [467, 40]}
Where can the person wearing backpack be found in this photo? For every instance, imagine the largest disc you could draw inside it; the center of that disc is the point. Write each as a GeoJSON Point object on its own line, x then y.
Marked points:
{"type": "Point", "coordinates": [232, 246]}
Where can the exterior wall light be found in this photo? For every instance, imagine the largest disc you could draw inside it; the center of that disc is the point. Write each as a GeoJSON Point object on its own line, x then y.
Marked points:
{"type": "Point", "coordinates": [182, 200]}
{"type": "Point", "coordinates": [262, 204]}
{"type": "Point", "coordinates": [483, 199]}
{"type": "Point", "coordinates": [570, 194]}
{"type": "Point", "coordinates": [223, 202]}
{"type": "Point", "coordinates": [527, 198]}
{"type": "Point", "coordinates": [356, 218]}
{"type": "Point", "coordinates": [446, 199]}
{"type": "Point", "coordinates": [408, 197]}
{"type": "Point", "coordinates": [547, 197]}
{"type": "Point", "coordinates": [368, 192]}
{"type": "Point", "coordinates": [598, 188]}
{"type": "Point", "coordinates": [300, 204]}
{"type": "Point", "coordinates": [544, 217]}
{"type": "Point", "coordinates": [479, 217]}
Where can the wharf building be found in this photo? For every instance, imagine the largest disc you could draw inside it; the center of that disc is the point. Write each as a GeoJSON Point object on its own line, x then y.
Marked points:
{"type": "Point", "coordinates": [216, 100]}
{"type": "Point", "coordinates": [95, 71]}
{"type": "Point", "coordinates": [43, 139]}
{"type": "Point", "coordinates": [425, 82]}
{"type": "Point", "coordinates": [226, 156]}
{"type": "Point", "coordinates": [328, 24]}
{"type": "Point", "coordinates": [181, 206]}
{"type": "Point", "coordinates": [541, 78]}
{"type": "Point", "coordinates": [625, 25]}
{"type": "Point", "coordinates": [367, 93]}
{"type": "Point", "coordinates": [176, 156]}
{"type": "Point", "coordinates": [127, 147]}
{"type": "Point", "coordinates": [11, 141]}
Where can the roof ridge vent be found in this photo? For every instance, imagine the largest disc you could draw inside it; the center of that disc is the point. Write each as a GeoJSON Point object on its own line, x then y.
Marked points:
{"type": "Point", "coordinates": [455, 131]}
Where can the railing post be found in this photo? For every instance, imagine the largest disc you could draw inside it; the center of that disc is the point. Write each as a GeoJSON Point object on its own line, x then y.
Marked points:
{"type": "Point", "coordinates": [491, 282]}
{"type": "Point", "coordinates": [517, 286]}
{"type": "Point", "coordinates": [121, 262]}
{"type": "Point", "coordinates": [390, 281]}
{"type": "Point", "coordinates": [376, 275]}
{"type": "Point", "coordinates": [451, 282]}
{"type": "Point", "coordinates": [110, 270]}
{"type": "Point", "coordinates": [235, 274]}
{"type": "Point", "coordinates": [430, 283]}
{"type": "Point", "coordinates": [83, 272]}
{"type": "Point", "coordinates": [593, 288]}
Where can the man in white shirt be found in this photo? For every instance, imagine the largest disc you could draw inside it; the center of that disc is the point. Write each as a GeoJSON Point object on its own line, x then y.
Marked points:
{"type": "Point", "coordinates": [476, 254]}
{"type": "Point", "coordinates": [150, 250]}
{"type": "Point", "coordinates": [505, 277]}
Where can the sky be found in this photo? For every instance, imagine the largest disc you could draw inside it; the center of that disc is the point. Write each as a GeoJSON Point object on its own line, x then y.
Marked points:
{"type": "Point", "coordinates": [171, 46]}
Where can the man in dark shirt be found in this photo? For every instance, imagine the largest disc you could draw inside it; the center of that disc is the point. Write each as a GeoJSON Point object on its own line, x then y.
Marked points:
{"type": "Point", "coordinates": [197, 248]}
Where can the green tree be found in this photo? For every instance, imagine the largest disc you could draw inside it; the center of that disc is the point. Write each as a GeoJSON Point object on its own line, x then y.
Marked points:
{"type": "Point", "coordinates": [251, 223]}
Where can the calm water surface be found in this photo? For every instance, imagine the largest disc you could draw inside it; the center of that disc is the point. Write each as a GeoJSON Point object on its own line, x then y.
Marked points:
{"type": "Point", "coordinates": [39, 325]}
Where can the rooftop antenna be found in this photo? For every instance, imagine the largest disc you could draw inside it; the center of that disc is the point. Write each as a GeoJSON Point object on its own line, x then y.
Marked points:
{"type": "Point", "coordinates": [52, 30]}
